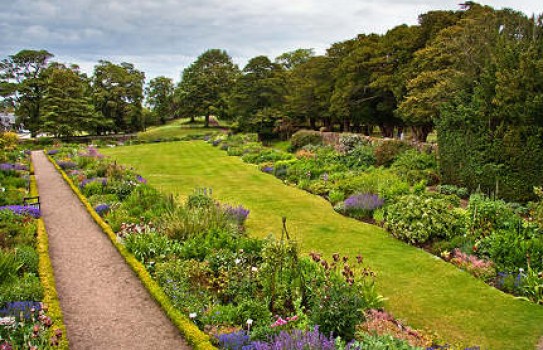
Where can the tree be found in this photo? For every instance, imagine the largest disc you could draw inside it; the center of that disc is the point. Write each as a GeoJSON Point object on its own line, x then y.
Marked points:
{"type": "Point", "coordinates": [260, 87]}
{"type": "Point", "coordinates": [67, 106]}
{"type": "Point", "coordinates": [205, 85]}
{"type": "Point", "coordinates": [160, 97]}
{"type": "Point", "coordinates": [118, 95]}
{"type": "Point", "coordinates": [21, 82]}
{"type": "Point", "coordinates": [291, 59]}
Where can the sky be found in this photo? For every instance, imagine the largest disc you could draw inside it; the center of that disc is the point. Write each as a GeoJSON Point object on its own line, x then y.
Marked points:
{"type": "Point", "coordinates": [162, 37]}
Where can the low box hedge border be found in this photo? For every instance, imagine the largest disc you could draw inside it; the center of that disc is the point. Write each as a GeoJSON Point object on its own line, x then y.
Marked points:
{"type": "Point", "coordinates": [192, 334]}
{"type": "Point", "coordinates": [46, 273]}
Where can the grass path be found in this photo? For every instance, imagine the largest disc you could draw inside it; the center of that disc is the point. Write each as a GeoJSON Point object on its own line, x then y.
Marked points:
{"type": "Point", "coordinates": [421, 289]}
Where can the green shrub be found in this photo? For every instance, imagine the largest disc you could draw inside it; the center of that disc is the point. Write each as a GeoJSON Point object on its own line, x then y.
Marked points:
{"type": "Point", "coordinates": [486, 216]}
{"type": "Point", "coordinates": [151, 247]}
{"type": "Point", "coordinates": [9, 267]}
{"type": "Point", "coordinates": [419, 219]}
{"type": "Point", "coordinates": [387, 151]}
{"type": "Point", "coordinates": [381, 342]}
{"type": "Point", "coordinates": [461, 192]}
{"type": "Point", "coordinates": [27, 287]}
{"type": "Point", "coordinates": [336, 196]}
{"type": "Point", "coordinates": [305, 137]}
{"type": "Point", "coordinates": [28, 257]}
{"type": "Point", "coordinates": [267, 155]}
{"type": "Point", "coordinates": [361, 157]}
{"type": "Point", "coordinates": [414, 166]}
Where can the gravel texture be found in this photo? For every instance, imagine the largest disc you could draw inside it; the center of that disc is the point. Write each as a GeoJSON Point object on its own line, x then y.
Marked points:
{"type": "Point", "coordinates": [105, 305]}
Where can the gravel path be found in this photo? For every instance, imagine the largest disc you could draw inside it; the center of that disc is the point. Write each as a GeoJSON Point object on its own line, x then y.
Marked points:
{"type": "Point", "coordinates": [104, 304]}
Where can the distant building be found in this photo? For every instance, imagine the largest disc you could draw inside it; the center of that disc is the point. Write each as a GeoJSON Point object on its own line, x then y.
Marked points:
{"type": "Point", "coordinates": [7, 122]}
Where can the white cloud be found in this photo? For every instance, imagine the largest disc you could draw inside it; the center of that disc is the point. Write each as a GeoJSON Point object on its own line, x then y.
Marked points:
{"type": "Point", "coordinates": [162, 37]}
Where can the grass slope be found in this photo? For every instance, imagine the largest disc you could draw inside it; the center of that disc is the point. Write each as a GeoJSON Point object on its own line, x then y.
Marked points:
{"type": "Point", "coordinates": [421, 289]}
{"type": "Point", "coordinates": [176, 128]}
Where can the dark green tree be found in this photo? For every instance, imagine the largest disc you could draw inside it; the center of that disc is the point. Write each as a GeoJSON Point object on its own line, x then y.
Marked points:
{"type": "Point", "coordinates": [205, 85]}
{"type": "Point", "coordinates": [118, 95]}
{"type": "Point", "coordinates": [260, 87]}
{"type": "Point", "coordinates": [160, 98]}
{"type": "Point", "coordinates": [67, 106]}
{"type": "Point", "coordinates": [22, 84]}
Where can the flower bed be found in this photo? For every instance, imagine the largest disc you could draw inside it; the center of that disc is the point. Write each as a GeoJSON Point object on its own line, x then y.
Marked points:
{"type": "Point", "coordinates": [228, 284]}
{"type": "Point", "coordinates": [30, 316]}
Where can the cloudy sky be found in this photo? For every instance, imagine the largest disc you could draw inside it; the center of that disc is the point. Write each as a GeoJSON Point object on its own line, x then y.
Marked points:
{"type": "Point", "coordinates": [161, 37]}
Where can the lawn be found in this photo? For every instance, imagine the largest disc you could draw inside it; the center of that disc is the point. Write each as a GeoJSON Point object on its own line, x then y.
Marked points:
{"type": "Point", "coordinates": [421, 289]}
{"type": "Point", "coordinates": [176, 129]}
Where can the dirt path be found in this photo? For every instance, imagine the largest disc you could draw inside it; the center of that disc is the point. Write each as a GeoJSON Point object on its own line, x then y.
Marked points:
{"type": "Point", "coordinates": [105, 306]}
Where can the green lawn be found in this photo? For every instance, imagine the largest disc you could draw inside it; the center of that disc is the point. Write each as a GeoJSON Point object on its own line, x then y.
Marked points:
{"type": "Point", "coordinates": [176, 128]}
{"type": "Point", "coordinates": [421, 289]}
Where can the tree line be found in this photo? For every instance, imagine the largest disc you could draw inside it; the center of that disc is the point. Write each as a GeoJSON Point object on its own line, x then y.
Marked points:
{"type": "Point", "coordinates": [407, 78]}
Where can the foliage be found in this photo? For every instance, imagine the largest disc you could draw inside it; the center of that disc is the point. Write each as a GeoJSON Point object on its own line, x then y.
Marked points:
{"type": "Point", "coordinates": [150, 247]}
{"type": "Point", "coordinates": [22, 83]}
{"type": "Point", "coordinates": [361, 205]}
{"type": "Point", "coordinates": [484, 216]}
{"type": "Point", "coordinates": [26, 326]}
{"type": "Point", "coordinates": [417, 220]}
{"type": "Point", "coordinates": [204, 85]}
{"type": "Point", "coordinates": [482, 269]}
{"type": "Point", "coordinates": [386, 152]}
{"type": "Point", "coordinates": [415, 166]}
{"type": "Point", "coordinates": [338, 293]}
{"type": "Point", "coordinates": [305, 137]}
{"type": "Point", "coordinates": [8, 140]}
{"type": "Point", "coordinates": [461, 192]}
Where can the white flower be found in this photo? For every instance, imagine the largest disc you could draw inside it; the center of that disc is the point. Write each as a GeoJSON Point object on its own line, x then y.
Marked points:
{"type": "Point", "coordinates": [249, 322]}
{"type": "Point", "coordinates": [192, 315]}
{"type": "Point", "coordinates": [254, 269]}
{"type": "Point", "coordinates": [237, 261]}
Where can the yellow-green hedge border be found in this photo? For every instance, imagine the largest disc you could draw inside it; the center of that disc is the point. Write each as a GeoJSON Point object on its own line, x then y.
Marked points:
{"type": "Point", "coordinates": [47, 277]}
{"type": "Point", "coordinates": [191, 333]}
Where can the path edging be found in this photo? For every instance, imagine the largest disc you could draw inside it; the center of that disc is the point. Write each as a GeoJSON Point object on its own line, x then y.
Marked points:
{"type": "Point", "coordinates": [46, 273]}
{"type": "Point", "coordinates": [196, 338]}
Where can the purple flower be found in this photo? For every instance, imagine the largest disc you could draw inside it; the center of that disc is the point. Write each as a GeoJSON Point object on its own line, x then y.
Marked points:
{"type": "Point", "coordinates": [53, 152]}
{"type": "Point", "coordinates": [296, 340]}
{"type": "Point", "coordinates": [267, 169]}
{"type": "Point", "coordinates": [365, 201]}
{"type": "Point", "coordinates": [12, 167]}
{"type": "Point", "coordinates": [239, 214]}
{"type": "Point", "coordinates": [17, 307]}
{"type": "Point", "coordinates": [102, 209]}
{"type": "Point", "coordinates": [234, 341]}
{"type": "Point", "coordinates": [65, 165]}
{"type": "Point", "coordinates": [85, 182]}
{"type": "Point", "coordinates": [140, 179]}
{"type": "Point", "coordinates": [23, 210]}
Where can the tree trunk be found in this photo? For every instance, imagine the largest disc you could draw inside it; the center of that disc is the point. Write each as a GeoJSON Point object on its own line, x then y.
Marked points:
{"type": "Point", "coordinates": [206, 123]}
{"type": "Point", "coordinates": [346, 125]}
{"type": "Point", "coordinates": [312, 123]}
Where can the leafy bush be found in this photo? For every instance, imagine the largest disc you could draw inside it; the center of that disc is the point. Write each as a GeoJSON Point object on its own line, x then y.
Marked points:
{"type": "Point", "coordinates": [305, 137]}
{"type": "Point", "coordinates": [461, 192]}
{"type": "Point", "coordinates": [417, 220]}
{"type": "Point", "coordinates": [27, 287]}
{"type": "Point", "coordinates": [361, 205]}
{"type": "Point", "coordinates": [9, 267]}
{"type": "Point", "coordinates": [151, 247]}
{"type": "Point", "coordinates": [414, 166]}
{"type": "Point", "coordinates": [361, 157]}
{"type": "Point", "coordinates": [381, 342]}
{"type": "Point", "coordinates": [387, 151]}
{"type": "Point", "coordinates": [486, 216]}
{"type": "Point", "coordinates": [28, 258]}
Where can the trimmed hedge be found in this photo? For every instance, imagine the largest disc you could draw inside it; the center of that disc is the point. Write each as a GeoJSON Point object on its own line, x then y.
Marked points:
{"type": "Point", "coordinates": [196, 338]}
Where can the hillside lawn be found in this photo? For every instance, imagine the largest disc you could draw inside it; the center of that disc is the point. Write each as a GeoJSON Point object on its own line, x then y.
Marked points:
{"type": "Point", "coordinates": [421, 289]}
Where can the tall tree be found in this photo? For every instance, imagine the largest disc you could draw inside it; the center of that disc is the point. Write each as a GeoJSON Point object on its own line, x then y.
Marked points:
{"type": "Point", "coordinates": [205, 85]}
{"type": "Point", "coordinates": [67, 106]}
{"type": "Point", "coordinates": [22, 83]}
{"type": "Point", "coordinates": [160, 97]}
{"type": "Point", "coordinates": [118, 95]}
